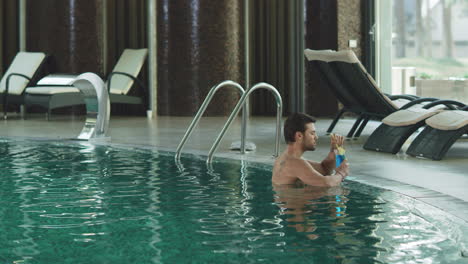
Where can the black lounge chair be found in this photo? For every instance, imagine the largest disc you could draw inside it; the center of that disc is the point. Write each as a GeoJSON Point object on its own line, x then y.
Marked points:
{"type": "Point", "coordinates": [441, 132]}
{"type": "Point", "coordinates": [119, 83]}
{"type": "Point", "coordinates": [397, 127]}
{"type": "Point", "coordinates": [22, 71]}
{"type": "Point", "coordinates": [354, 88]}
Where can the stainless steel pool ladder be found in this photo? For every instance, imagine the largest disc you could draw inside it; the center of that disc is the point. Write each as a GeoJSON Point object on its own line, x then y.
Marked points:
{"type": "Point", "coordinates": [240, 104]}
{"type": "Point", "coordinates": [202, 109]}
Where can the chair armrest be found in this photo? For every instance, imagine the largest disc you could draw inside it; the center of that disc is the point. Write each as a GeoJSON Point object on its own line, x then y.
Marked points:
{"type": "Point", "coordinates": [139, 83]}
{"type": "Point", "coordinates": [7, 87]}
{"type": "Point", "coordinates": [418, 101]}
{"type": "Point", "coordinates": [402, 96]}
{"type": "Point", "coordinates": [449, 103]}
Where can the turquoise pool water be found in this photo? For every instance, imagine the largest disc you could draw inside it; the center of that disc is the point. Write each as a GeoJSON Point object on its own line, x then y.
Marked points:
{"type": "Point", "coordinates": [65, 202]}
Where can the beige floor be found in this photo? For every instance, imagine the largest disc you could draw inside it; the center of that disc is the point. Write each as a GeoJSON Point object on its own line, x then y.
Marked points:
{"type": "Point", "coordinates": [443, 184]}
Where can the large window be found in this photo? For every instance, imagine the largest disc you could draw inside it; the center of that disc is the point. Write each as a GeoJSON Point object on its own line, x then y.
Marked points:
{"type": "Point", "coordinates": [429, 48]}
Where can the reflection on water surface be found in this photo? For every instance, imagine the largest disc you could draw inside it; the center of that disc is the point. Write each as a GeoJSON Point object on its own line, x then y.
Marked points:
{"type": "Point", "coordinates": [81, 203]}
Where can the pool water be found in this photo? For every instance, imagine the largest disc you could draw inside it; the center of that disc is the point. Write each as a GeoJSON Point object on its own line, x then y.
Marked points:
{"type": "Point", "coordinates": [65, 202]}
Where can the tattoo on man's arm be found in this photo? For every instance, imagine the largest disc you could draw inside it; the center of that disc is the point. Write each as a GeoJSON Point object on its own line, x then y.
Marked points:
{"type": "Point", "coordinates": [282, 163]}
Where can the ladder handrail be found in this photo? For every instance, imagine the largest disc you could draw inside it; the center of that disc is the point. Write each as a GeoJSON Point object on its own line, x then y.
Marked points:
{"type": "Point", "coordinates": [240, 104]}
{"type": "Point", "coordinates": [202, 109]}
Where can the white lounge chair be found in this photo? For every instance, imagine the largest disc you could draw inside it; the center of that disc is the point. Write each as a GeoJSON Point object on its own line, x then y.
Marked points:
{"type": "Point", "coordinates": [18, 76]}
{"type": "Point", "coordinates": [354, 87]}
{"type": "Point", "coordinates": [119, 83]}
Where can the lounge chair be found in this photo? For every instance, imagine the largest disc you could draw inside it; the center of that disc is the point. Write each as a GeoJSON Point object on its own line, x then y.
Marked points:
{"type": "Point", "coordinates": [119, 83]}
{"type": "Point", "coordinates": [354, 88]}
{"type": "Point", "coordinates": [441, 132]}
{"type": "Point", "coordinates": [22, 70]}
{"type": "Point", "coordinates": [397, 127]}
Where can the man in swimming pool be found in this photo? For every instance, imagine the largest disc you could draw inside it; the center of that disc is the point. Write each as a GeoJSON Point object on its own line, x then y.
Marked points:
{"type": "Point", "coordinates": [291, 168]}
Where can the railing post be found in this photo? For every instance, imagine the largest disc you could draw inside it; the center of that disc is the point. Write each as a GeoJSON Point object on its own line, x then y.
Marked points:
{"type": "Point", "coordinates": [236, 110]}
{"type": "Point", "coordinates": [202, 109]}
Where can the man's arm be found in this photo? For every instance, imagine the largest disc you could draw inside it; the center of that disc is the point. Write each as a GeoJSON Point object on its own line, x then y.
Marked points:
{"type": "Point", "coordinates": [328, 164]}
{"type": "Point", "coordinates": [310, 176]}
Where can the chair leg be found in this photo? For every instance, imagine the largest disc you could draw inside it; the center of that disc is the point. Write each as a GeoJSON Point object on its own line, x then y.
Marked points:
{"type": "Point", "coordinates": [355, 126]}
{"type": "Point", "coordinates": [333, 124]}
{"type": "Point", "coordinates": [361, 127]}
{"type": "Point", "coordinates": [22, 111]}
{"type": "Point", "coordinates": [5, 106]}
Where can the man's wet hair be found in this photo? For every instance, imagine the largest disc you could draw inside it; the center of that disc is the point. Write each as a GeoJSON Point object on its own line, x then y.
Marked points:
{"type": "Point", "coordinates": [296, 122]}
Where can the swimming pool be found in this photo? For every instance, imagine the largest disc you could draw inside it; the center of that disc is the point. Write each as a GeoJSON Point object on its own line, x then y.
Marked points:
{"type": "Point", "coordinates": [66, 202]}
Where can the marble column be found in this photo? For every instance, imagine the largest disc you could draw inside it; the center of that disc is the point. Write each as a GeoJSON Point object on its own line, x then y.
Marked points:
{"type": "Point", "coordinates": [69, 31]}
{"type": "Point", "coordinates": [200, 43]}
{"type": "Point", "coordinates": [350, 25]}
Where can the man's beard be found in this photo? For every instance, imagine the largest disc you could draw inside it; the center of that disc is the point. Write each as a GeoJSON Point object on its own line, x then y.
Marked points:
{"type": "Point", "coordinates": [310, 147]}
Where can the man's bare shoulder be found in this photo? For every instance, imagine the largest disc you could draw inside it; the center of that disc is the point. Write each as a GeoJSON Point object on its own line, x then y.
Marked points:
{"type": "Point", "coordinates": [290, 161]}
{"type": "Point", "coordinates": [286, 169]}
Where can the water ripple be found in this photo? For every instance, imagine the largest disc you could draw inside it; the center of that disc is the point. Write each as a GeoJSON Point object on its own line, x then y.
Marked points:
{"type": "Point", "coordinates": [96, 204]}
